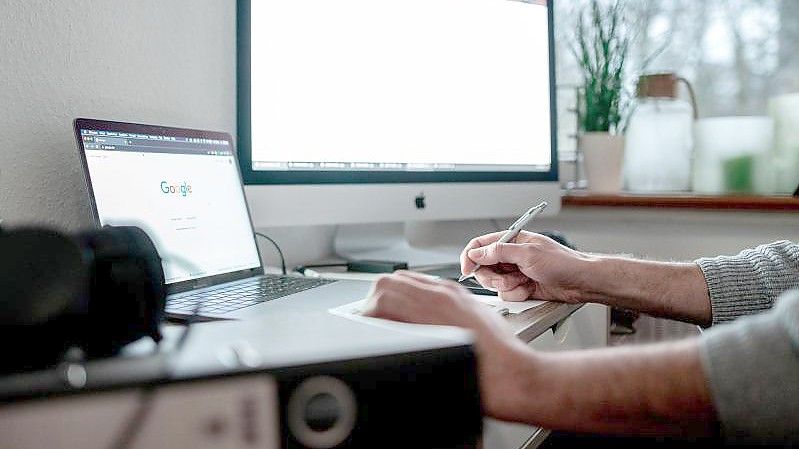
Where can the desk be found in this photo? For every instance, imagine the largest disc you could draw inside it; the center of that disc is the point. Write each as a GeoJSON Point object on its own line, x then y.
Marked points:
{"type": "Point", "coordinates": [530, 324]}
{"type": "Point", "coordinates": [304, 333]}
{"type": "Point", "coordinates": [550, 327]}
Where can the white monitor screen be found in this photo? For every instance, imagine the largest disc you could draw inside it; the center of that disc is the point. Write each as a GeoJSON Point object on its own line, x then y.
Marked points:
{"type": "Point", "coordinates": [400, 85]}
{"type": "Point", "coordinates": [184, 192]}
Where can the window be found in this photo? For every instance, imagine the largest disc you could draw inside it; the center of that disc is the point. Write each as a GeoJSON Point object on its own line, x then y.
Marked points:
{"type": "Point", "coordinates": [737, 53]}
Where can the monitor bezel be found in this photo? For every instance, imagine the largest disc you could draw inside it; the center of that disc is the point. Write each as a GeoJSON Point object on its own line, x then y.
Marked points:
{"type": "Point", "coordinates": [139, 128]}
{"type": "Point", "coordinates": [293, 177]}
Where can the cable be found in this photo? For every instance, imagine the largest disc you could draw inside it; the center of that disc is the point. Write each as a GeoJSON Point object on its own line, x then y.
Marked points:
{"type": "Point", "coordinates": [134, 426]}
{"type": "Point", "coordinates": [279, 252]}
{"type": "Point", "coordinates": [128, 435]}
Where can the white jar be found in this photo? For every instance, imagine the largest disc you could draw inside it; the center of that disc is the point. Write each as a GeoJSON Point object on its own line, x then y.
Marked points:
{"type": "Point", "coordinates": [659, 146]}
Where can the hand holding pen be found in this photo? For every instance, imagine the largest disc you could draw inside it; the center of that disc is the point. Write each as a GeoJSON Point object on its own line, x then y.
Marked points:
{"type": "Point", "coordinates": [512, 232]}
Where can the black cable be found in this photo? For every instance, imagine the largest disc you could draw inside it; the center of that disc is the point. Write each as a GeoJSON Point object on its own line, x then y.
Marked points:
{"type": "Point", "coordinates": [127, 436]}
{"type": "Point", "coordinates": [279, 252]}
{"type": "Point", "coordinates": [134, 426]}
{"type": "Point", "coordinates": [129, 433]}
{"type": "Point", "coordinates": [147, 399]}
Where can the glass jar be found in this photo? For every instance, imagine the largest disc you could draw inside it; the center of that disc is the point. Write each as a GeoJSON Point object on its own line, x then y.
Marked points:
{"type": "Point", "coordinates": [659, 147]}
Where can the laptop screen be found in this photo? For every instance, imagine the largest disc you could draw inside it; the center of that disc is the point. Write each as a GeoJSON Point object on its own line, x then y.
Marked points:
{"type": "Point", "coordinates": [185, 192]}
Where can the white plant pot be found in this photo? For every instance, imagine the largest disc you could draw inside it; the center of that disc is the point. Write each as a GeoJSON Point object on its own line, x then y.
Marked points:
{"type": "Point", "coordinates": [603, 154]}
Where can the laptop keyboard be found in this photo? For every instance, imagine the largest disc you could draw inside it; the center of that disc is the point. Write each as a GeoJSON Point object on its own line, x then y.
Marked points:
{"type": "Point", "coordinates": [245, 294]}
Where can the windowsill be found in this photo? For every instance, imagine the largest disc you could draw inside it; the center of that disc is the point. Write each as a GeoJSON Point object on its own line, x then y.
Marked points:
{"type": "Point", "coordinates": [682, 201]}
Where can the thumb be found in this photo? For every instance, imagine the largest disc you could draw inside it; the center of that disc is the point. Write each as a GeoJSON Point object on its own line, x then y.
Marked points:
{"type": "Point", "coordinates": [499, 253]}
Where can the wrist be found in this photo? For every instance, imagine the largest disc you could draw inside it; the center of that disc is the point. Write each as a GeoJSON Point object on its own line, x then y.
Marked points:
{"type": "Point", "coordinates": [539, 385]}
{"type": "Point", "coordinates": [509, 380]}
{"type": "Point", "coordinates": [594, 275]}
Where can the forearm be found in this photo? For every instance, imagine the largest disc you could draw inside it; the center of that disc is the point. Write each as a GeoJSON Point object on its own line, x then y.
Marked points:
{"type": "Point", "coordinates": [646, 390]}
{"type": "Point", "coordinates": [673, 290]}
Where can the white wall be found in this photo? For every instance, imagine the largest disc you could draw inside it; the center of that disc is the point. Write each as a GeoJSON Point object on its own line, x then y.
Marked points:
{"type": "Point", "coordinates": [154, 61]}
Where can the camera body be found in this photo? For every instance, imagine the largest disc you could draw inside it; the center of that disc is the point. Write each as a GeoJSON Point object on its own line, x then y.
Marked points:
{"type": "Point", "coordinates": [96, 290]}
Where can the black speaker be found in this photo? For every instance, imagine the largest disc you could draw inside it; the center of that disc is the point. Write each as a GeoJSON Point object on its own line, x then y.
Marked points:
{"type": "Point", "coordinates": [419, 400]}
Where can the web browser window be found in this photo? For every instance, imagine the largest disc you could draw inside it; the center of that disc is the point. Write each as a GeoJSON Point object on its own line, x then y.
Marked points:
{"type": "Point", "coordinates": [185, 193]}
{"type": "Point", "coordinates": [400, 85]}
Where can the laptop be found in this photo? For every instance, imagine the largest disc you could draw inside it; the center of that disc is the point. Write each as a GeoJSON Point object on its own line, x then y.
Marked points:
{"type": "Point", "coordinates": [183, 188]}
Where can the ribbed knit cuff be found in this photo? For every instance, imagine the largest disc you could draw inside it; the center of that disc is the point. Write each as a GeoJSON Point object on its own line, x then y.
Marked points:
{"type": "Point", "coordinates": [733, 288]}
{"type": "Point", "coordinates": [748, 283]}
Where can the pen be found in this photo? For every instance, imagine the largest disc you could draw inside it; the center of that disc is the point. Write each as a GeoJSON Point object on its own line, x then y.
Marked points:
{"type": "Point", "coordinates": [512, 232]}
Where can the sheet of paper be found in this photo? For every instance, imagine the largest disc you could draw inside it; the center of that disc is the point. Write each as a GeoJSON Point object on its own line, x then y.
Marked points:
{"type": "Point", "coordinates": [513, 307]}
{"type": "Point", "coordinates": [352, 311]}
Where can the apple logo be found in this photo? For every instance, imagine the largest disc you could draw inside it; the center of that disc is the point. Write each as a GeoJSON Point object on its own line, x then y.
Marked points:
{"type": "Point", "coordinates": [419, 201]}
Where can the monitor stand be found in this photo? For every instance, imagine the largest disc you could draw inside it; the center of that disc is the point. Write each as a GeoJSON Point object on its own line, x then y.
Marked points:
{"type": "Point", "coordinates": [388, 241]}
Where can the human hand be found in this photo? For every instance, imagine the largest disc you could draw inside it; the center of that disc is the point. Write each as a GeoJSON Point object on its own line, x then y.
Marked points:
{"type": "Point", "coordinates": [533, 267]}
{"type": "Point", "coordinates": [414, 298]}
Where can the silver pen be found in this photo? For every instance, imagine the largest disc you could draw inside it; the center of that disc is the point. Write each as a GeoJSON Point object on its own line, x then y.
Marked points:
{"type": "Point", "coordinates": [513, 231]}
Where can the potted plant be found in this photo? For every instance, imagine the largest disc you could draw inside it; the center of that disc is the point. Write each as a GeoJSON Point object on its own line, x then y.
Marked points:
{"type": "Point", "coordinates": [600, 47]}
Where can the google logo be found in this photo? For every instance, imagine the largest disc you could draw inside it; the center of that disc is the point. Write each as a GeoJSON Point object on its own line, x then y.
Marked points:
{"type": "Point", "coordinates": [182, 189]}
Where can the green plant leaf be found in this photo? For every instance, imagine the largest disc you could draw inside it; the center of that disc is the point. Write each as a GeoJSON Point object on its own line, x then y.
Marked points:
{"type": "Point", "coordinates": [601, 45]}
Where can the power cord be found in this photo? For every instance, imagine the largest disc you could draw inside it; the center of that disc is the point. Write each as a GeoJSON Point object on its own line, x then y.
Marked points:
{"type": "Point", "coordinates": [279, 252]}
{"type": "Point", "coordinates": [131, 430]}
{"type": "Point", "coordinates": [127, 436]}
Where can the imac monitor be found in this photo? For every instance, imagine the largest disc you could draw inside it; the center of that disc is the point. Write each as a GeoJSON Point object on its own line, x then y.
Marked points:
{"type": "Point", "coordinates": [367, 111]}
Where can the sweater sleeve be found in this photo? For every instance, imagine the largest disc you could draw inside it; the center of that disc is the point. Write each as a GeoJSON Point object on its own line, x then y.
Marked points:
{"type": "Point", "coordinates": [752, 367]}
{"type": "Point", "coordinates": [748, 283]}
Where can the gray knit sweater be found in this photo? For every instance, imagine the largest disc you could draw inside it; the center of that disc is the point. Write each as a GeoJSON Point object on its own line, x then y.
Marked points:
{"type": "Point", "coordinates": [752, 364]}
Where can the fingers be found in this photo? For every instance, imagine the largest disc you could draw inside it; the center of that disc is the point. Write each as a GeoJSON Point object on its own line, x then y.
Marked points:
{"type": "Point", "coordinates": [430, 281]}
{"type": "Point", "coordinates": [495, 253]}
{"type": "Point", "coordinates": [467, 265]}
{"type": "Point", "coordinates": [386, 304]}
{"type": "Point", "coordinates": [522, 292]}
{"type": "Point", "coordinates": [389, 297]}
{"type": "Point", "coordinates": [396, 296]}
{"type": "Point", "coordinates": [500, 281]}
{"type": "Point", "coordinates": [422, 278]}
{"type": "Point", "coordinates": [416, 298]}
{"type": "Point", "coordinates": [406, 285]}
